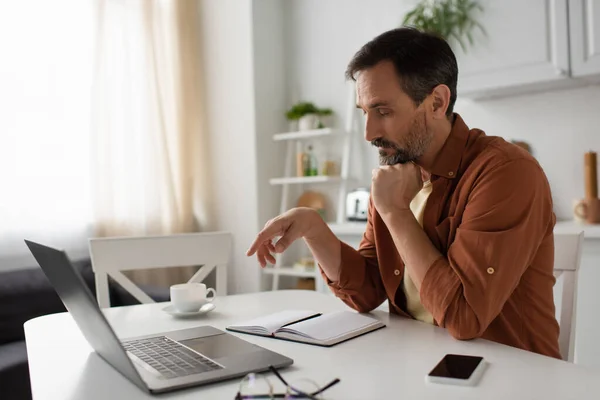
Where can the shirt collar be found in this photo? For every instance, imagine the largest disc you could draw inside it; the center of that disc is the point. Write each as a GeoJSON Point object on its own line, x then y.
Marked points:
{"type": "Point", "coordinates": [448, 159]}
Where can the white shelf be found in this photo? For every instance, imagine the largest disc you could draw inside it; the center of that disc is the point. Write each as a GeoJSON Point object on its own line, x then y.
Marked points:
{"type": "Point", "coordinates": [304, 134]}
{"type": "Point", "coordinates": [304, 179]}
{"type": "Point", "coordinates": [348, 228]}
{"type": "Point", "coordinates": [288, 177]}
{"type": "Point", "coordinates": [290, 271]}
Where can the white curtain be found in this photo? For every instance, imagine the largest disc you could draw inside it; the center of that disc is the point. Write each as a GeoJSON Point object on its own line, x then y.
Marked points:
{"type": "Point", "coordinates": [45, 80]}
{"type": "Point", "coordinates": [147, 128]}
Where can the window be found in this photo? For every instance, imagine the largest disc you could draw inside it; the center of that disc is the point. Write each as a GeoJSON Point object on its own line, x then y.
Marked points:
{"type": "Point", "coordinates": [46, 59]}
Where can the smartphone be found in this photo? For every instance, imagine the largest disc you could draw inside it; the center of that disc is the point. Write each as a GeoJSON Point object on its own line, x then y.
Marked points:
{"type": "Point", "coordinates": [456, 369]}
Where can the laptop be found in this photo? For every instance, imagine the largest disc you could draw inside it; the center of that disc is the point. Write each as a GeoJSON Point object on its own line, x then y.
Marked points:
{"type": "Point", "coordinates": [160, 362]}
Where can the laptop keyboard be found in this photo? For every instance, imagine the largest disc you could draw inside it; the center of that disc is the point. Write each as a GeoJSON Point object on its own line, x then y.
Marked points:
{"type": "Point", "coordinates": [170, 358]}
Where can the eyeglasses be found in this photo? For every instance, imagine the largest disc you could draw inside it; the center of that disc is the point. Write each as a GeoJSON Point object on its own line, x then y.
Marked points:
{"type": "Point", "coordinates": [255, 386]}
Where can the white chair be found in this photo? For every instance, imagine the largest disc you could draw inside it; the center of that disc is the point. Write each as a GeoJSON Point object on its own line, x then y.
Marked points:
{"type": "Point", "coordinates": [567, 258]}
{"type": "Point", "coordinates": [110, 256]}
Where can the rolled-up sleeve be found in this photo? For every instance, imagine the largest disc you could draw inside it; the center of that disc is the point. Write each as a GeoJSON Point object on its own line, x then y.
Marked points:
{"type": "Point", "coordinates": [359, 283]}
{"type": "Point", "coordinates": [505, 220]}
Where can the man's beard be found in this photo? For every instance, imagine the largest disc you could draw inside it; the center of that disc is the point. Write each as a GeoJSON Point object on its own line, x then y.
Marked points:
{"type": "Point", "coordinates": [417, 141]}
{"type": "Point", "coordinates": [399, 156]}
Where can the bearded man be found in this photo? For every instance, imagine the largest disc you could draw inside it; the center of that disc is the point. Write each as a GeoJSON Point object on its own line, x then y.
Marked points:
{"type": "Point", "coordinates": [460, 224]}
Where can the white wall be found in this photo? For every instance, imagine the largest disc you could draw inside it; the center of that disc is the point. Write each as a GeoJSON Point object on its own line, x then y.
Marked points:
{"type": "Point", "coordinates": [560, 126]}
{"type": "Point", "coordinates": [229, 98]}
{"type": "Point", "coordinates": [269, 97]}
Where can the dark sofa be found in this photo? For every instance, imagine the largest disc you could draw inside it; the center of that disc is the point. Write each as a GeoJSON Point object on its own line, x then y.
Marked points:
{"type": "Point", "coordinates": [26, 294]}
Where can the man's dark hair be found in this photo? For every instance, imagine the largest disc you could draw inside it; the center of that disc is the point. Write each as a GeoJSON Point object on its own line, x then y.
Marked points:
{"type": "Point", "coordinates": [422, 61]}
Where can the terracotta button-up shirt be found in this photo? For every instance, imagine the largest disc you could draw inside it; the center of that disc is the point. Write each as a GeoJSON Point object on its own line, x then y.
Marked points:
{"type": "Point", "coordinates": [490, 215]}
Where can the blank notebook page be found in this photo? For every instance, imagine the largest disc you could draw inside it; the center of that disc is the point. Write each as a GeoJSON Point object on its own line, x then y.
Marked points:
{"type": "Point", "coordinates": [273, 321]}
{"type": "Point", "coordinates": [332, 325]}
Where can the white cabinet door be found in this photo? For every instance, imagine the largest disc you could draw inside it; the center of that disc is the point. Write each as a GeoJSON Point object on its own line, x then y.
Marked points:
{"type": "Point", "coordinates": [526, 44]}
{"type": "Point", "coordinates": [584, 27]}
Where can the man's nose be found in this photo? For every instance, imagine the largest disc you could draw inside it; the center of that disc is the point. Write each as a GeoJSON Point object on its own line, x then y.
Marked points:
{"type": "Point", "coordinates": [371, 131]}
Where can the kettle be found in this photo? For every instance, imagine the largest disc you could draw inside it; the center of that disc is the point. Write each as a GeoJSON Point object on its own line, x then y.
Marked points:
{"type": "Point", "coordinates": [357, 204]}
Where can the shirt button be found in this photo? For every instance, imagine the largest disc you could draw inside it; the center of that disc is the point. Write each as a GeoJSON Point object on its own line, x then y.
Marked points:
{"type": "Point", "coordinates": [491, 270]}
{"type": "Point", "coordinates": [451, 173]}
{"type": "Point", "coordinates": [397, 272]}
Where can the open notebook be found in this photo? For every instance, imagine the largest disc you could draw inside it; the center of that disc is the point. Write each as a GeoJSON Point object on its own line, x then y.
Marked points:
{"type": "Point", "coordinates": [310, 327]}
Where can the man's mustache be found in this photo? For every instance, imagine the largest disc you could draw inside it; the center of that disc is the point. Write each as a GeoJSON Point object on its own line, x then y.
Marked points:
{"type": "Point", "coordinates": [384, 144]}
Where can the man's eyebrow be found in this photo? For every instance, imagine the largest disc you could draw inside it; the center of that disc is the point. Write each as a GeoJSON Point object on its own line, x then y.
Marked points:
{"type": "Point", "coordinates": [374, 105]}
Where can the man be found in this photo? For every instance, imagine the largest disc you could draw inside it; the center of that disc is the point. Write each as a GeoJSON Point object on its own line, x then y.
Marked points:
{"type": "Point", "coordinates": [459, 230]}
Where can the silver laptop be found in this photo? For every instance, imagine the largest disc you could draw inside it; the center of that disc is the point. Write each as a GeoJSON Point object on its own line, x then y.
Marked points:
{"type": "Point", "coordinates": [160, 362]}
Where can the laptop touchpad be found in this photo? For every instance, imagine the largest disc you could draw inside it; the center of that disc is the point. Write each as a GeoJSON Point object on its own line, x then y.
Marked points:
{"type": "Point", "coordinates": [219, 346]}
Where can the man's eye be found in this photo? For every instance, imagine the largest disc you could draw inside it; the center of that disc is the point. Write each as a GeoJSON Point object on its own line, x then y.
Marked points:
{"type": "Point", "coordinates": [383, 111]}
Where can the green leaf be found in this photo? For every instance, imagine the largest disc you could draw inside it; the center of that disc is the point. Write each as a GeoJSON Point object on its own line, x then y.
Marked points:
{"type": "Point", "coordinates": [446, 18]}
{"type": "Point", "coordinates": [470, 38]}
{"type": "Point", "coordinates": [481, 28]}
{"type": "Point", "coordinates": [460, 42]}
{"type": "Point", "coordinates": [302, 108]}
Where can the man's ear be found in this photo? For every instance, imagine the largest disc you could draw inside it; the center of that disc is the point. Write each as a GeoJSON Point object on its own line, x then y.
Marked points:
{"type": "Point", "coordinates": [440, 97]}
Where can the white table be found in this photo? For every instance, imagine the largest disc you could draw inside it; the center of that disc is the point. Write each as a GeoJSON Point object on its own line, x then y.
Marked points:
{"type": "Point", "coordinates": [390, 363]}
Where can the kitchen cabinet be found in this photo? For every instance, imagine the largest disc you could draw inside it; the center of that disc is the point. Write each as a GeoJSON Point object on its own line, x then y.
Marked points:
{"type": "Point", "coordinates": [531, 46]}
{"type": "Point", "coordinates": [525, 44]}
{"type": "Point", "coordinates": [584, 27]}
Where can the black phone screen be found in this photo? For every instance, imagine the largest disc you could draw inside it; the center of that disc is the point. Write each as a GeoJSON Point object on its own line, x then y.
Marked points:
{"type": "Point", "coordinates": [456, 366]}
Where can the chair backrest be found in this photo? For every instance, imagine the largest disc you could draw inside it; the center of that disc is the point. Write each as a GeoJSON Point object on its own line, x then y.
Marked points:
{"type": "Point", "coordinates": [112, 255]}
{"type": "Point", "coordinates": [567, 258]}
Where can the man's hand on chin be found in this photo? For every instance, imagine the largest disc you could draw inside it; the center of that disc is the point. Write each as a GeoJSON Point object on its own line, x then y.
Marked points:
{"type": "Point", "coordinates": [394, 186]}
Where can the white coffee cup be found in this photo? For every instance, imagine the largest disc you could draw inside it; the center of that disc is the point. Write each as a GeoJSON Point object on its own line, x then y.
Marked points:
{"type": "Point", "coordinates": [189, 297]}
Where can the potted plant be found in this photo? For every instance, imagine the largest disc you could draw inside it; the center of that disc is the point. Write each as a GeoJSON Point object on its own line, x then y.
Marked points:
{"type": "Point", "coordinates": [448, 19]}
{"type": "Point", "coordinates": [308, 115]}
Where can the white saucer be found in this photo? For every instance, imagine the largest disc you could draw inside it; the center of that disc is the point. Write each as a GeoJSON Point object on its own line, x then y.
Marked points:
{"type": "Point", "coordinates": [170, 309]}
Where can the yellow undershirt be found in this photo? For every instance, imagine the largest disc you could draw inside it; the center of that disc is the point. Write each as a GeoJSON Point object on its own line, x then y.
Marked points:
{"type": "Point", "coordinates": [413, 299]}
